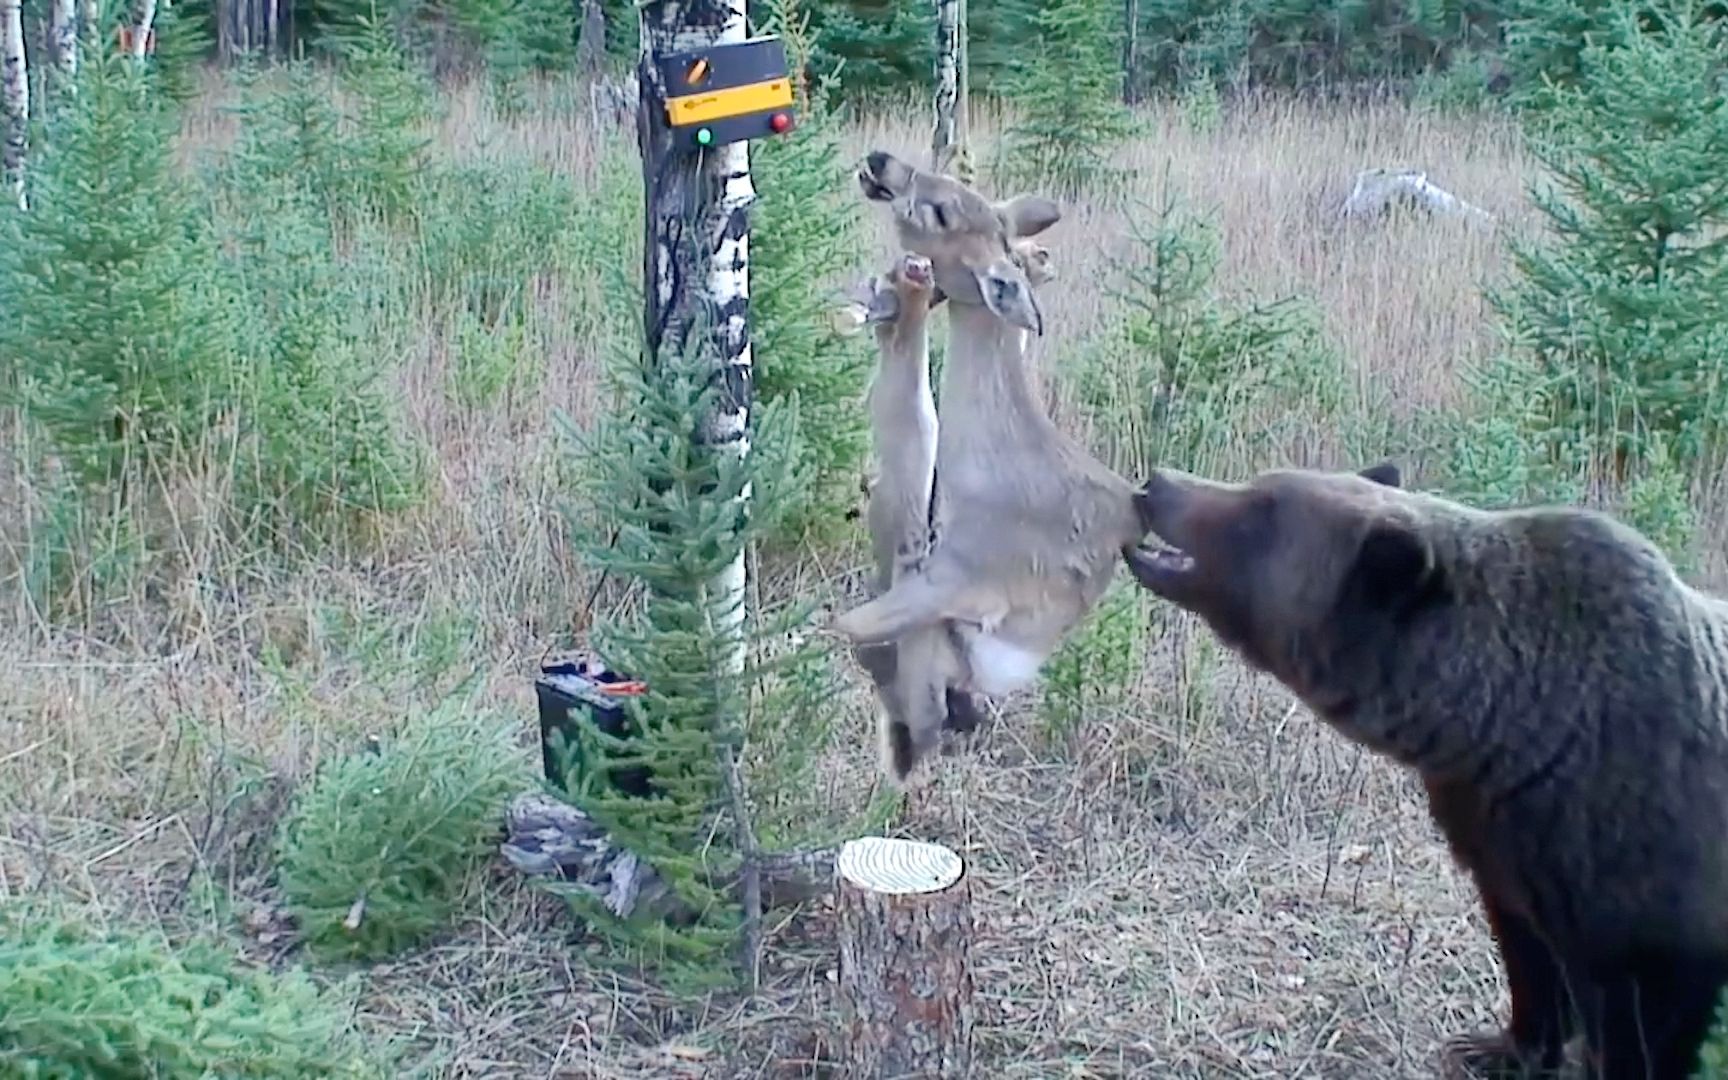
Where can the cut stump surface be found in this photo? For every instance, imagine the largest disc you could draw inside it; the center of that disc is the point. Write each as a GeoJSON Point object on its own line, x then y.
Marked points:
{"type": "Point", "coordinates": [905, 959]}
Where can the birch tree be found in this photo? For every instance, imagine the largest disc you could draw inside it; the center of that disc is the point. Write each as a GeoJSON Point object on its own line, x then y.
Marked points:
{"type": "Point", "coordinates": [63, 30]}
{"type": "Point", "coordinates": [948, 143]}
{"type": "Point", "coordinates": [591, 45]}
{"type": "Point", "coordinates": [14, 99]}
{"type": "Point", "coordinates": [141, 33]}
{"type": "Point", "coordinates": [713, 274]}
{"type": "Point", "coordinates": [1130, 51]}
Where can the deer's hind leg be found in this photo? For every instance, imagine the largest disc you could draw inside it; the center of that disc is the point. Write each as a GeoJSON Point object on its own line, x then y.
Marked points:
{"type": "Point", "coordinates": [917, 705]}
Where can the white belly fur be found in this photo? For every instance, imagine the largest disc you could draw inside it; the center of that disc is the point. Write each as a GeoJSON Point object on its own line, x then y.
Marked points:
{"type": "Point", "coordinates": [1000, 667]}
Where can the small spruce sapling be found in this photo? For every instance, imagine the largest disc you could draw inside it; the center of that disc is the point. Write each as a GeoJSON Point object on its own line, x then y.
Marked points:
{"type": "Point", "coordinates": [1622, 317]}
{"type": "Point", "coordinates": [1071, 117]}
{"type": "Point", "coordinates": [376, 849]}
{"type": "Point", "coordinates": [807, 234]}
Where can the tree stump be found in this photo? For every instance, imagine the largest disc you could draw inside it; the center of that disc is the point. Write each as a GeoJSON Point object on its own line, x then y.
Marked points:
{"type": "Point", "coordinates": [905, 959]}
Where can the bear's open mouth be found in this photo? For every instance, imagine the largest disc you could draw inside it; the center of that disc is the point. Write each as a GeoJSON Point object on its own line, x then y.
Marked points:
{"type": "Point", "coordinates": [1169, 560]}
{"type": "Point", "coordinates": [1160, 563]}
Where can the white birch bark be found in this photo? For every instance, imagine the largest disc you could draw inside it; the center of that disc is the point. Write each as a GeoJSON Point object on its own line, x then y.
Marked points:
{"type": "Point", "coordinates": [729, 292]}
{"type": "Point", "coordinates": [947, 80]}
{"type": "Point", "coordinates": [90, 14]}
{"type": "Point", "coordinates": [141, 33]}
{"type": "Point", "coordinates": [63, 28]}
{"type": "Point", "coordinates": [14, 99]}
{"type": "Point", "coordinates": [591, 46]}
{"type": "Point", "coordinates": [1130, 51]}
{"type": "Point", "coordinates": [963, 94]}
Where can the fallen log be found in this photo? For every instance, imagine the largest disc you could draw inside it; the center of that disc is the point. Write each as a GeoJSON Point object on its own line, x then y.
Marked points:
{"type": "Point", "coordinates": [1376, 191]}
{"type": "Point", "coordinates": [546, 837]}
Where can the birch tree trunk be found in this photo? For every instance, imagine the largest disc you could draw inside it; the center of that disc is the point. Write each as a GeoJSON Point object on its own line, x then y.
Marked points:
{"type": "Point", "coordinates": [591, 46]}
{"type": "Point", "coordinates": [14, 99]}
{"type": "Point", "coordinates": [963, 99]}
{"type": "Point", "coordinates": [1130, 51]}
{"type": "Point", "coordinates": [89, 21]}
{"type": "Point", "coordinates": [63, 29]}
{"type": "Point", "coordinates": [947, 81]}
{"type": "Point", "coordinates": [141, 34]}
{"type": "Point", "coordinates": [696, 254]}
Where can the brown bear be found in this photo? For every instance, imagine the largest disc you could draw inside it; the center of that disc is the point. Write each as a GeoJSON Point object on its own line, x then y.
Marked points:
{"type": "Point", "coordinates": [1563, 696]}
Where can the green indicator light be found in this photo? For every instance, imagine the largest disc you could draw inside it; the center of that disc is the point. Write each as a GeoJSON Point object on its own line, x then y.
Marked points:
{"type": "Point", "coordinates": [704, 137]}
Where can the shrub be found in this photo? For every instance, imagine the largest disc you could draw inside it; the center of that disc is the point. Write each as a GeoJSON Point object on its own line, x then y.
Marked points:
{"type": "Point", "coordinates": [375, 850]}
{"type": "Point", "coordinates": [1713, 1055]}
{"type": "Point", "coordinates": [1094, 668]}
{"type": "Point", "coordinates": [806, 225]}
{"type": "Point", "coordinates": [1071, 118]}
{"type": "Point", "coordinates": [1623, 317]}
{"type": "Point", "coordinates": [1180, 376]}
{"type": "Point", "coordinates": [77, 1003]}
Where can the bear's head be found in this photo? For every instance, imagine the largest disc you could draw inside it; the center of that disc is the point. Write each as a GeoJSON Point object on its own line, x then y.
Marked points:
{"type": "Point", "coordinates": [1297, 570]}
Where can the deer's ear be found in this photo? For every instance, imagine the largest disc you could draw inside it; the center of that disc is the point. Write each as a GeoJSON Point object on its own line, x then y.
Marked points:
{"type": "Point", "coordinates": [883, 306]}
{"type": "Point", "coordinates": [1029, 215]}
{"type": "Point", "coordinates": [1009, 297]}
{"type": "Point", "coordinates": [1034, 258]}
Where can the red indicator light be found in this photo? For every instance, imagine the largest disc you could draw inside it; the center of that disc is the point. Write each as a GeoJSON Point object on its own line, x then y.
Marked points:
{"type": "Point", "coordinates": [779, 122]}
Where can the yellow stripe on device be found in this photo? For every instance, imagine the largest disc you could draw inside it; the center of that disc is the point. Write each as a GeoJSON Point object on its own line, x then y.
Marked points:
{"type": "Point", "coordinates": [735, 101]}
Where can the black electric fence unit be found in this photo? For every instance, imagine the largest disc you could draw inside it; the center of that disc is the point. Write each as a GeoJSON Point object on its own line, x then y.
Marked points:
{"type": "Point", "coordinates": [562, 690]}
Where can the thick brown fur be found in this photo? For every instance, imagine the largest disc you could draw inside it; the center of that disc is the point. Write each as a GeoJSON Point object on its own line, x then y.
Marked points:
{"type": "Point", "coordinates": [1563, 696]}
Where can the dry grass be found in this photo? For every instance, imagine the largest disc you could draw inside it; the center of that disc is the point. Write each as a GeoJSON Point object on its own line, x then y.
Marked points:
{"type": "Point", "coordinates": [1205, 883]}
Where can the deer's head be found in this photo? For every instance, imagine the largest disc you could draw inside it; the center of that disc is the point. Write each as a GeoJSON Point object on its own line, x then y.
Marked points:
{"type": "Point", "coordinates": [969, 240]}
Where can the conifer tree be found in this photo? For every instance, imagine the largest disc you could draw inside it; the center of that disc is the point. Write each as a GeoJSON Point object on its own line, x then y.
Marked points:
{"type": "Point", "coordinates": [1001, 42]}
{"type": "Point", "coordinates": [1546, 39]}
{"type": "Point", "coordinates": [1623, 317]}
{"type": "Point", "coordinates": [877, 45]}
{"type": "Point", "coordinates": [667, 514]}
{"type": "Point", "coordinates": [806, 229]}
{"type": "Point", "coordinates": [325, 442]}
{"type": "Point", "coordinates": [669, 510]}
{"type": "Point", "coordinates": [1071, 115]}
{"type": "Point", "coordinates": [119, 329]}
{"type": "Point", "coordinates": [183, 40]}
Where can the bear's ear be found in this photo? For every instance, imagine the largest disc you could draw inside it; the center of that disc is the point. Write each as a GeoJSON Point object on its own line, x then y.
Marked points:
{"type": "Point", "coordinates": [1384, 473]}
{"type": "Point", "coordinates": [1394, 570]}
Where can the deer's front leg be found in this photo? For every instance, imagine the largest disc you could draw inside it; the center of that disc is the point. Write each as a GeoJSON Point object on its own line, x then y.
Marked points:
{"type": "Point", "coordinates": [915, 601]}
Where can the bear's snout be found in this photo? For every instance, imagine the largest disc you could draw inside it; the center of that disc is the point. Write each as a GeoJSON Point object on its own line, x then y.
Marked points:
{"type": "Point", "coordinates": [1159, 500]}
{"type": "Point", "coordinates": [876, 176]}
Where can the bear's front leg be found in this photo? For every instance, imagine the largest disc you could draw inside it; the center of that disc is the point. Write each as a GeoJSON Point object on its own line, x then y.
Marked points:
{"type": "Point", "coordinates": [1651, 1016]}
{"type": "Point", "coordinates": [1534, 1044]}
